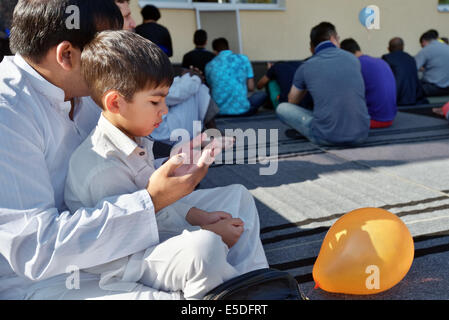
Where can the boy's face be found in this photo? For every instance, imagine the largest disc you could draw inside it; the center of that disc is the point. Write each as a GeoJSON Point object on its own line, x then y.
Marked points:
{"type": "Point", "coordinates": [143, 114]}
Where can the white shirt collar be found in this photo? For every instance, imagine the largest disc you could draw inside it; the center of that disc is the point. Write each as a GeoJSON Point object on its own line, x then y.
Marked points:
{"type": "Point", "coordinates": [120, 140]}
{"type": "Point", "coordinates": [52, 92]}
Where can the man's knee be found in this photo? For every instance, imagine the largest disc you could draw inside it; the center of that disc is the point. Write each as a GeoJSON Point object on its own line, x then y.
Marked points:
{"type": "Point", "coordinates": [285, 111]}
{"type": "Point", "coordinates": [241, 192]}
{"type": "Point", "coordinates": [241, 189]}
{"type": "Point", "coordinates": [282, 107]}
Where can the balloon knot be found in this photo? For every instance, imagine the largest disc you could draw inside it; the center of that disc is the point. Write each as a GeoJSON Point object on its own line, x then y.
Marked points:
{"type": "Point", "coordinates": [317, 286]}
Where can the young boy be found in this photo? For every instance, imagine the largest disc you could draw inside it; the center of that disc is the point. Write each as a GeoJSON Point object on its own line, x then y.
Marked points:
{"type": "Point", "coordinates": [129, 78]}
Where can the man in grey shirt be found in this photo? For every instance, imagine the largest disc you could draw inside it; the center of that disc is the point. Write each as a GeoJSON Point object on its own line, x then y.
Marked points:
{"type": "Point", "coordinates": [433, 60]}
{"type": "Point", "coordinates": [334, 79]}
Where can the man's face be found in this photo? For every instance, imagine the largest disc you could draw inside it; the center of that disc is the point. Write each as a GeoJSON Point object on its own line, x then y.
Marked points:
{"type": "Point", "coordinates": [335, 39]}
{"type": "Point", "coordinates": [79, 85]}
{"type": "Point", "coordinates": [424, 43]}
{"type": "Point", "coordinates": [129, 23]}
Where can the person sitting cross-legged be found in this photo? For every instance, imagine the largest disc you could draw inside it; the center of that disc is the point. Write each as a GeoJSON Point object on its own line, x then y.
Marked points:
{"type": "Point", "coordinates": [333, 78]}
{"type": "Point", "coordinates": [433, 60]}
{"type": "Point", "coordinates": [403, 65]}
{"type": "Point", "coordinates": [380, 86]}
{"type": "Point", "coordinates": [231, 79]}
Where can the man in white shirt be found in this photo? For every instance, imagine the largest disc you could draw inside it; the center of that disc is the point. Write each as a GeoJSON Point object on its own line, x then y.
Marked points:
{"type": "Point", "coordinates": [43, 119]}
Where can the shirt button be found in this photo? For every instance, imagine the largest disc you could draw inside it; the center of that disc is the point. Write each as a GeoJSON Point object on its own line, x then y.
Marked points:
{"type": "Point", "coordinates": [142, 153]}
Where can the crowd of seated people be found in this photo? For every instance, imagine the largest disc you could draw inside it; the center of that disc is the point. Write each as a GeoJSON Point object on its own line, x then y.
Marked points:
{"type": "Point", "coordinates": [333, 97]}
{"type": "Point", "coordinates": [304, 92]}
{"type": "Point", "coordinates": [378, 86]}
{"type": "Point", "coordinates": [228, 80]}
{"type": "Point", "coordinates": [308, 94]}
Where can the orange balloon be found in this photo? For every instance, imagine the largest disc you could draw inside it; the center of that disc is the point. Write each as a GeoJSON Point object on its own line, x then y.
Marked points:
{"type": "Point", "coordinates": [366, 251]}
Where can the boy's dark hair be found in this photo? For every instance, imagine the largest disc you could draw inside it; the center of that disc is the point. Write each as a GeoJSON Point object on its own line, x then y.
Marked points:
{"type": "Point", "coordinates": [350, 45]}
{"type": "Point", "coordinates": [150, 12]}
{"type": "Point", "coordinates": [322, 32]}
{"type": "Point", "coordinates": [40, 25]}
{"type": "Point", "coordinates": [126, 62]}
{"type": "Point", "coordinates": [429, 35]}
{"type": "Point", "coordinates": [200, 37]}
{"type": "Point", "coordinates": [220, 44]}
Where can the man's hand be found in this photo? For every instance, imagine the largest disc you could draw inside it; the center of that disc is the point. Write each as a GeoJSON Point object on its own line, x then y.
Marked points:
{"type": "Point", "coordinates": [194, 71]}
{"type": "Point", "coordinates": [197, 217]}
{"type": "Point", "coordinates": [229, 230]}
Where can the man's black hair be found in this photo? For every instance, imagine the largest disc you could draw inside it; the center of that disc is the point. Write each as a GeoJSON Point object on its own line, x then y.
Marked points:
{"type": "Point", "coordinates": [350, 45]}
{"type": "Point", "coordinates": [150, 12]}
{"type": "Point", "coordinates": [200, 37]}
{"type": "Point", "coordinates": [220, 44]}
{"type": "Point", "coordinates": [429, 35]}
{"type": "Point", "coordinates": [322, 32]}
{"type": "Point", "coordinates": [396, 44]}
{"type": "Point", "coordinates": [40, 25]}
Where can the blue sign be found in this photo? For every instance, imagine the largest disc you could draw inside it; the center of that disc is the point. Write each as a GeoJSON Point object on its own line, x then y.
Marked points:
{"type": "Point", "coordinates": [369, 17]}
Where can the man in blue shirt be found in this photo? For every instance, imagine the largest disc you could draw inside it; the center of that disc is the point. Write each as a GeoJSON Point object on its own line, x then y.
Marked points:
{"type": "Point", "coordinates": [380, 86]}
{"type": "Point", "coordinates": [403, 65]}
{"type": "Point", "coordinates": [230, 77]}
{"type": "Point", "coordinates": [334, 79]}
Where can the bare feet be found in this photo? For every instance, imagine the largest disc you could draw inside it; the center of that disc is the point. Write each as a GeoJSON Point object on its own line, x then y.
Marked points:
{"type": "Point", "coordinates": [438, 111]}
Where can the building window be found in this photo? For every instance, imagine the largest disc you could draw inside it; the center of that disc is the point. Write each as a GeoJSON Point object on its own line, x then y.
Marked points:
{"type": "Point", "coordinates": [217, 4]}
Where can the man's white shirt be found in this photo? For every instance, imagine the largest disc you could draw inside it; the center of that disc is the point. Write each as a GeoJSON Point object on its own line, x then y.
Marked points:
{"type": "Point", "coordinates": [39, 237]}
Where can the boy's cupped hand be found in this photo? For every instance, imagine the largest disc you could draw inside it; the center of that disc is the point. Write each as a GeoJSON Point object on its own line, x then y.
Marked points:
{"type": "Point", "coordinates": [195, 149]}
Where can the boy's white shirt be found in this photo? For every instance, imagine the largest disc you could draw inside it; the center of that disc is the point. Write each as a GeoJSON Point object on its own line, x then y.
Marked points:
{"type": "Point", "coordinates": [109, 163]}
